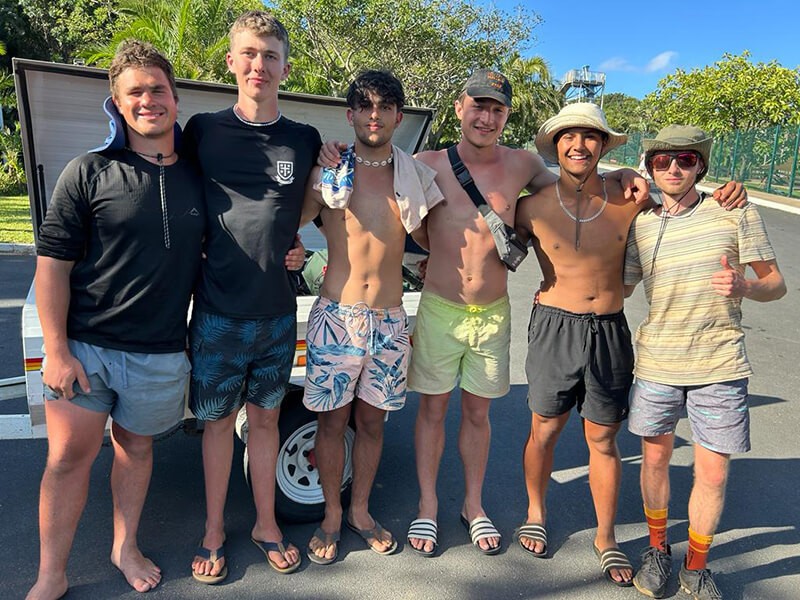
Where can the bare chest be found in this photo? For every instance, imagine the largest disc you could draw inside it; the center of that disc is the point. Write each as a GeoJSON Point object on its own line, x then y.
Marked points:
{"type": "Point", "coordinates": [375, 214]}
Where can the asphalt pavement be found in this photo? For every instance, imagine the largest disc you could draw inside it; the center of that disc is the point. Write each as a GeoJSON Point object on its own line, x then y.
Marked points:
{"type": "Point", "coordinates": [756, 553]}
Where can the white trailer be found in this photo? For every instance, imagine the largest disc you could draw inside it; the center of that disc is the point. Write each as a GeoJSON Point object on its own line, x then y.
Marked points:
{"type": "Point", "coordinates": [61, 116]}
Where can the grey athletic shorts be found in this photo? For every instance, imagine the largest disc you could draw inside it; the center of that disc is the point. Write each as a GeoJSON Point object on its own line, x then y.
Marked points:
{"type": "Point", "coordinates": [718, 413]}
{"type": "Point", "coordinates": [582, 360]}
{"type": "Point", "coordinates": [143, 393]}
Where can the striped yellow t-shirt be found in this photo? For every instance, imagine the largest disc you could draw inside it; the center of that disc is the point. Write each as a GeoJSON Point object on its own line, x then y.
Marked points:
{"type": "Point", "coordinates": [692, 335]}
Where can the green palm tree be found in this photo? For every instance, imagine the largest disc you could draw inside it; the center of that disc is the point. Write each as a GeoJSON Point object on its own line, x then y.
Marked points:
{"type": "Point", "coordinates": [193, 34]}
{"type": "Point", "coordinates": [535, 97]}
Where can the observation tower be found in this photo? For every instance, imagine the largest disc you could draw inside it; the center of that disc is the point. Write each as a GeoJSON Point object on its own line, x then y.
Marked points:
{"type": "Point", "coordinates": [583, 85]}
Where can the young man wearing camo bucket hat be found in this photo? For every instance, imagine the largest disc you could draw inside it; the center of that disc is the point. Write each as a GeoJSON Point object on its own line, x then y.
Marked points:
{"type": "Point", "coordinates": [691, 256]}
{"type": "Point", "coordinates": [580, 352]}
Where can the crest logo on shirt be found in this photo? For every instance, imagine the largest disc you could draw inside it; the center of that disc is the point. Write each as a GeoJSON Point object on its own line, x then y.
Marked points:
{"type": "Point", "coordinates": [285, 172]}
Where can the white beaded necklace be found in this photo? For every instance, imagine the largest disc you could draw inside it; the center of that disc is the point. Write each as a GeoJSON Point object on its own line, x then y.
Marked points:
{"type": "Point", "coordinates": [374, 163]}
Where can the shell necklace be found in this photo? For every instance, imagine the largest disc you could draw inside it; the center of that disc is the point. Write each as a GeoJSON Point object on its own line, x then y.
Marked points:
{"type": "Point", "coordinates": [374, 163]}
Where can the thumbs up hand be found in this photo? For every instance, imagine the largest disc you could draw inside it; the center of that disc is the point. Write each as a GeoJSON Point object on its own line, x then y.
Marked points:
{"type": "Point", "coordinates": [729, 282]}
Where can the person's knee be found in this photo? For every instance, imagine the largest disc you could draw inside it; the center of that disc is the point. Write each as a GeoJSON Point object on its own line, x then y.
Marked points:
{"type": "Point", "coordinates": [370, 423]}
{"type": "Point", "coordinates": [69, 458]}
{"type": "Point", "coordinates": [711, 477]}
{"type": "Point", "coordinates": [477, 419]}
{"type": "Point", "coordinates": [656, 456]}
{"type": "Point", "coordinates": [433, 410]}
{"type": "Point", "coordinates": [139, 447]}
{"type": "Point", "coordinates": [475, 410]}
{"type": "Point", "coordinates": [221, 427]}
{"type": "Point", "coordinates": [332, 424]}
{"type": "Point", "coordinates": [265, 419]}
{"type": "Point", "coordinates": [602, 440]}
{"type": "Point", "coordinates": [545, 431]}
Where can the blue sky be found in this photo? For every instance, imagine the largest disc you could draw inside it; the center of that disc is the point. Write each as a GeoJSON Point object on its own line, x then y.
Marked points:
{"type": "Point", "coordinates": [638, 43]}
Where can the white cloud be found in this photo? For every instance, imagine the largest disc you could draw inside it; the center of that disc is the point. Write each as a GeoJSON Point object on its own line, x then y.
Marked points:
{"type": "Point", "coordinates": [616, 64]}
{"type": "Point", "coordinates": [660, 62]}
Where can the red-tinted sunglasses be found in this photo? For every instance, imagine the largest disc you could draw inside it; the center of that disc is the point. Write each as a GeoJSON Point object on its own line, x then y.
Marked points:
{"type": "Point", "coordinates": [662, 160]}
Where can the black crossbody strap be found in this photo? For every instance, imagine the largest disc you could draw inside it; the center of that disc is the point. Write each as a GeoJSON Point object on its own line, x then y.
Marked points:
{"type": "Point", "coordinates": [465, 179]}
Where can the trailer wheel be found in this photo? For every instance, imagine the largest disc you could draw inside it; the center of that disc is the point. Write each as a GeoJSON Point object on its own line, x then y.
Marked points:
{"type": "Point", "coordinates": [298, 491]}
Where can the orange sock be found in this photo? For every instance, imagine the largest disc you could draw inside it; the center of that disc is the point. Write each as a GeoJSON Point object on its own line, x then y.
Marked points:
{"type": "Point", "coordinates": [657, 525]}
{"type": "Point", "coordinates": [697, 554]}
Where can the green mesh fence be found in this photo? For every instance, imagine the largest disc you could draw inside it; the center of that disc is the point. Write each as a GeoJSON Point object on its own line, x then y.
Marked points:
{"type": "Point", "coordinates": [764, 159]}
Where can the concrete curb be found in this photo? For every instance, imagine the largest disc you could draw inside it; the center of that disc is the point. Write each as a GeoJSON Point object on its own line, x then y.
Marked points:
{"type": "Point", "coordinates": [21, 249]}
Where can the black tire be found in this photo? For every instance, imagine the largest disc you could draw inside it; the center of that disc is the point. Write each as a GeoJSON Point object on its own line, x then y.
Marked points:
{"type": "Point", "coordinates": [298, 493]}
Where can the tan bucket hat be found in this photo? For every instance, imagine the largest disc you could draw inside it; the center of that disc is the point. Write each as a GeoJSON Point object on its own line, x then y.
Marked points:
{"type": "Point", "coordinates": [681, 137]}
{"type": "Point", "coordinates": [578, 114]}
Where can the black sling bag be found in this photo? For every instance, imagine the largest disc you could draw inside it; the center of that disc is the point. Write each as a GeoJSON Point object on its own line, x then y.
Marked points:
{"type": "Point", "coordinates": [511, 250]}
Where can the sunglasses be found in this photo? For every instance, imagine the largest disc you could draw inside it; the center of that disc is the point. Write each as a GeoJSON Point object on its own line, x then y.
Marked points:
{"type": "Point", "coordinates": [662, 160]}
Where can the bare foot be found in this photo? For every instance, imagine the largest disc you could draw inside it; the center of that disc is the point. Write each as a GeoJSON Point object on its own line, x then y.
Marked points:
{"type": "Point", "coordinates": [142, 574]}
{"type": "Point", "coordinates": [48, 588]}
{"type": "Point", "coordinates": [324, 545]}
{"type": "Point", "coordinates": [622, 575]}
{"type": "Point", "coordinates": [536, 546]}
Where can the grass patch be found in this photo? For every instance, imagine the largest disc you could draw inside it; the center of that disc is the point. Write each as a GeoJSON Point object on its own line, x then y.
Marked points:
{"type": "Point", "coordinates": [15, 220]}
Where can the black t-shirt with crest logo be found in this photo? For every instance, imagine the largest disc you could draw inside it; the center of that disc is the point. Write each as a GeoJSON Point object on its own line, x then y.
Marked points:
{"type": "Point", "coordinates": [255, 177]}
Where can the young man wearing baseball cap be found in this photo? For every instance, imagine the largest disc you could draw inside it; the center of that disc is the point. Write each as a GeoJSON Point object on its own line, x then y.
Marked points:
{"type": "Point", "coordinates": [691, 256]}
{"type": "Point", "coordinates": [580, 353]}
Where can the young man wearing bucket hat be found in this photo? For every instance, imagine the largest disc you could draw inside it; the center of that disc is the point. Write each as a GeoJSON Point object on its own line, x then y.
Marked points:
{"type": "Point", "coordinates": [579, 352]}
{"type": "Point", "coordinates": [691, 256]}
{"type": "Point", "coordinates": [122, 233]}
{"type": "Point", "coordinates": [466, 284]}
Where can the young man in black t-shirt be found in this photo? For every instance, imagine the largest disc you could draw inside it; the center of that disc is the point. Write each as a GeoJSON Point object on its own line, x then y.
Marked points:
{"type": "Point", "coordinates": [122, 234]}
{"type": "Point", "coordinates": [255, 163]}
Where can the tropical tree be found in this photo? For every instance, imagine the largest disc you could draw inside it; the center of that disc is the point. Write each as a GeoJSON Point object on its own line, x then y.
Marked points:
{"type": "Point", "coordinates": [625, 113]}
{"type": "Point", "coordinates": [66, 26]}
{"type": "Point", "coordinates": [535, 97]}
{"type": "Point", "coordinates": [431, 45]}
{"type": "Point", "coordinates": [18, 35]}
{"type": "Point", "coordinates": [193, 34]}
{"type": "Point", "coordinates": [732, 94]}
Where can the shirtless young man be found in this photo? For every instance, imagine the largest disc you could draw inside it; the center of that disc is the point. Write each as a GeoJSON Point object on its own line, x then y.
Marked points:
{"type": "Point", "coordinates": [466, 284]}
{"type": "Point", "coordinates": [579, 351]}
{"type": "Point", "coordinates": [357, 336]}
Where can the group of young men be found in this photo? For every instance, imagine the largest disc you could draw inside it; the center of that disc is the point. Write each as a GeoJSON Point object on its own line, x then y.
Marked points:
{"type": "Point", "coordinates": [134, 226]}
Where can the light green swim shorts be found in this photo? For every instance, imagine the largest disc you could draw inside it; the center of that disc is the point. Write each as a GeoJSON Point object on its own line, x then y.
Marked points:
{"type": "Point", "coordinates": [465, 341]}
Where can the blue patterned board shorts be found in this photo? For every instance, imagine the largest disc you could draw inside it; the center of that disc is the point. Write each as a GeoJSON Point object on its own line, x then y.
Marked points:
{"type": "Point", "coordinates": [356, 351]}
{"type": "Point", "coordinates": [238, 360]}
